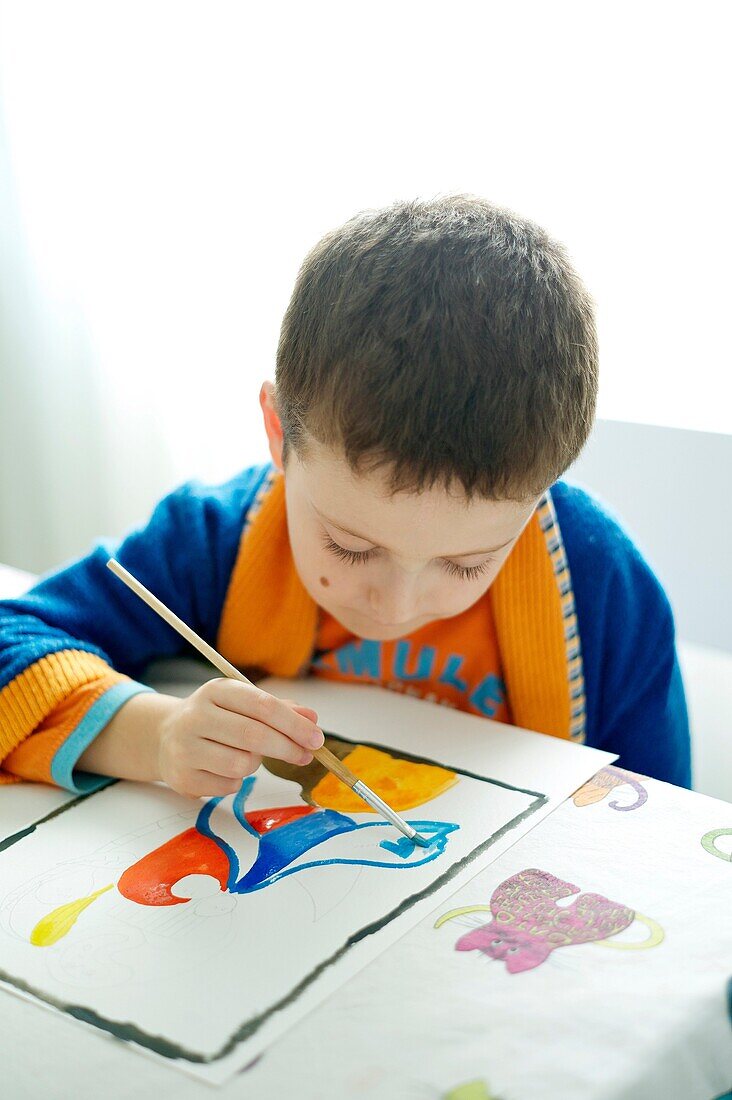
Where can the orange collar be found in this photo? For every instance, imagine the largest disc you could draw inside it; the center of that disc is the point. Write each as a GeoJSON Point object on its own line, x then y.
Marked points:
{"type": "Point", "coordinates": [269, 620]}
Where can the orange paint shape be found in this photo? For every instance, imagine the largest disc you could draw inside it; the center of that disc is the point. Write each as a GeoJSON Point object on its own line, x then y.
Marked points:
{"type": "Point", "coordinates": [404, 784]}
{"type": "Point", "coordinates": [149, 881]}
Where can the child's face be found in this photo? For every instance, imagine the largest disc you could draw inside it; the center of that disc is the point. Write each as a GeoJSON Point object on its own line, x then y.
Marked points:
{"type": "Point", "coordinates": [385, 565]}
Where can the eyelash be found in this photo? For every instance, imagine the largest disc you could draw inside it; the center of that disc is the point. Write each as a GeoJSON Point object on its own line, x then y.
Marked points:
{"type": "Point", "coordinates": [467, 572]}
{"type": "Point", "coordinates": [353, 557]}
{"type": "Point", "coordinates": [358, 557]}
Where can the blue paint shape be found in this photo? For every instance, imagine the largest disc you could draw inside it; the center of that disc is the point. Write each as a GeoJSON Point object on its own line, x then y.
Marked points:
{"type": "Point", "coordinates": [281, 847]}
{"type": "Point", "coordinates": [402, 847]}
{"type": "Point", "coordinates": [203, 824]}
{"type": "Point", "coordinates": [440, 829]}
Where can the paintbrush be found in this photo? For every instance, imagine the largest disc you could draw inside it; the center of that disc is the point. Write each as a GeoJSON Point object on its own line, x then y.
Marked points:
{"type": "Point", "coordinates": [324, 755]}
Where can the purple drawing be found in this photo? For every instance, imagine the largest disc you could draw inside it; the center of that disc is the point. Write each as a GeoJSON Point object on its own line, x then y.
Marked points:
{"type": "Point", "coordinates": [528, 925]}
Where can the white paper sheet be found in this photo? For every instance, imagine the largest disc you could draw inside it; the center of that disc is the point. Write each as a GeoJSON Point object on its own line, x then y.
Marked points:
{"type": "Point", "coordinates": [625, 1018]}
{"type": "Point", "coordinates": [209, 983]}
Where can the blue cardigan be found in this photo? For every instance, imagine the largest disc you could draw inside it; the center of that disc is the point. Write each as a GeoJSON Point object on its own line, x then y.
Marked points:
{"type": "Point", "coordinates": [186, 551]}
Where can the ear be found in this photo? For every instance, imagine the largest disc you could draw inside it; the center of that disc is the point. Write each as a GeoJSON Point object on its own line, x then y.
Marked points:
{"type": "Point", "coordinates": [272, 425]}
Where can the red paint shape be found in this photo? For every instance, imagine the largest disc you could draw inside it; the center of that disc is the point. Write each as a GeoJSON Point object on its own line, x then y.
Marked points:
{"type": "Point", "coordinates": [148, 881]}
{"type": "Point", "coordinates": [265, 820]}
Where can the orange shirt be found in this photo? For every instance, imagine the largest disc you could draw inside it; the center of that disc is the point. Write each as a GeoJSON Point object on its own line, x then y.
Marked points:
{"type": "Point", "coordinates": [452, 661]}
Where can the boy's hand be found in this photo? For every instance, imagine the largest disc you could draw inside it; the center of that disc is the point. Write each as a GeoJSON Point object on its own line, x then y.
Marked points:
{"type": "Point", "coordinates": [219, 734]}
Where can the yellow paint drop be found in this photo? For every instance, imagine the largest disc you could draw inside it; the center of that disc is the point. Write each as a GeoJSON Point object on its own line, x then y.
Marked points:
{"type": "Point", "coordinates": [404, 784]}
{"type": "Point", "coordinates": [59, 921]}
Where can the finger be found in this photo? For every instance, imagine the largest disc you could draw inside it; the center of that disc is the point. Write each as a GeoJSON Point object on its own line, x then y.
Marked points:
{"type": "Point", "coordinates": [307, 712]}
{"type": "Point", "coordinates": [252, 702]}
{"type": "Point", "coordinates": [202, 784]}
{"type": "Point", "coordinates": [224, 760]}
{"type": "Point", "coordinates": [249, 735]}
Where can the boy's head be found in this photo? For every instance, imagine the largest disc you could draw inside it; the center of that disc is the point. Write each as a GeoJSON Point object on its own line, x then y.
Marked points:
{"type": "Point", "coordinates": [436, 372]}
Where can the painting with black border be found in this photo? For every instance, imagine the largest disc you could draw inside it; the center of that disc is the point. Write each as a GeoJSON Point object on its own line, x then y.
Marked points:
{"type": "Point", "coordinates": [200, 930]}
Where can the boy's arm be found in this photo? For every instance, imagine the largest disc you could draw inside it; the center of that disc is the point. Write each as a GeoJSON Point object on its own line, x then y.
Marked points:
{"type": "Point", "coordinates": [635, 696]}
{"type": "Point", "coordinates": [72, 647]}
{"type": "Point", "coordinates": [644, 716]}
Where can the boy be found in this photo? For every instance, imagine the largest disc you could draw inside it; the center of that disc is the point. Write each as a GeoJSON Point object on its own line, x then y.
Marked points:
{"type": "Point", "coordinates": [436, 374]}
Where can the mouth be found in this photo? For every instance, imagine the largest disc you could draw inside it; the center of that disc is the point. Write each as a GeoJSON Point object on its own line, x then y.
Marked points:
{"type": "Point", "coordinates": [379, 625]}
{"type": "Point", "coordinates": [378, 622]}
{"type": "Point", "coordinates": [367, 622]}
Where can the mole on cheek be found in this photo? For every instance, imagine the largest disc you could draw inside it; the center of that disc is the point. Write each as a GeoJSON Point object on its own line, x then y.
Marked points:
{"type": "Point", "coordinates": [324, 581]}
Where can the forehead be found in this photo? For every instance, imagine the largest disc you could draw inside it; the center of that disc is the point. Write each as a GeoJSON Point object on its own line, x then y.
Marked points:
{"type": "Point", "coordinates": [431, 523]}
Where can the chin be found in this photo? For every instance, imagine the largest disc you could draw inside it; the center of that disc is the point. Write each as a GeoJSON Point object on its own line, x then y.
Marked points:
{"type": "Point", "coordinates": [378, 632]}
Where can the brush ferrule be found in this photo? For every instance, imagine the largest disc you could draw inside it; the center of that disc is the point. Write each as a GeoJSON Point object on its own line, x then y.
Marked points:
{"type": "Point", "coordinates": [381, 807]}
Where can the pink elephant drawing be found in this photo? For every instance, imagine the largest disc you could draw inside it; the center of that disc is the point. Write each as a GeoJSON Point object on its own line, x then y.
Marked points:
{"type": "Point", "coordinates": [528, 925]}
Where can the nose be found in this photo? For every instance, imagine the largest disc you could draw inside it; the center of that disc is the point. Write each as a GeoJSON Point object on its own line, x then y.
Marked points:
{"type": "Point", "coordinates": [396, 600]}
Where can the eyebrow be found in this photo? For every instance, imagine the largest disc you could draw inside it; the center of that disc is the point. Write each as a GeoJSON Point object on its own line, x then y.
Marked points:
{"type": "Point", "coordinates": [366, 538]}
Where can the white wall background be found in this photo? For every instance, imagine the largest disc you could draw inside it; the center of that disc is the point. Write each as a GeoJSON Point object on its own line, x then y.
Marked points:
{"type": "Point", "coordinates": [165, 166]}
{"type": "Point", "coordinates": [669, 488]}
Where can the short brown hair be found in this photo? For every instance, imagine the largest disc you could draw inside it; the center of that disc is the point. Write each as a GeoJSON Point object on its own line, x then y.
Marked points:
{"type": "Point", "coordinates": [446, 339]}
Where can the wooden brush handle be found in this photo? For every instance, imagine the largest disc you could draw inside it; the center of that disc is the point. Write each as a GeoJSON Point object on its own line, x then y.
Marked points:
{"type": "Point", "coordinates": [333, 764]}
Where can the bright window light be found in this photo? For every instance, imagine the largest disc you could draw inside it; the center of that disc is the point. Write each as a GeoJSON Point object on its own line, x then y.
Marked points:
{"type": "Point", "coordinates": [171, 164]}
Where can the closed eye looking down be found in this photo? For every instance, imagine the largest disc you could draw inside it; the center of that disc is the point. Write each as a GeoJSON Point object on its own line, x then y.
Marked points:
{"type": "Point", "coordinates": [355, 557]}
